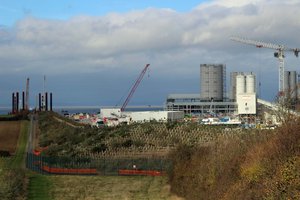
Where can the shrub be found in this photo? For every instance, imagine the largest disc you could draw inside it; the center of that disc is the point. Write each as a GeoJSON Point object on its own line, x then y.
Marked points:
{"type": "Point", "coordinates": [12, 184]}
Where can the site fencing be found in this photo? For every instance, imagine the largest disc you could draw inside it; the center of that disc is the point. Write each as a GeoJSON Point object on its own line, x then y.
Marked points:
{"type": "Point", "coordinates": [97, 166]}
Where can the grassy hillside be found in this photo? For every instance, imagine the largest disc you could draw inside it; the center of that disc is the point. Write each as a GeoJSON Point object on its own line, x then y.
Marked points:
{"type": "Point", "coordinates": [208, 162]}
{"type": "Point", "coordinates": [252, 166]}
{"type": "Point", "coordinates": [147, 139]}
{"type": "Point", "coordinates": [12, 174]}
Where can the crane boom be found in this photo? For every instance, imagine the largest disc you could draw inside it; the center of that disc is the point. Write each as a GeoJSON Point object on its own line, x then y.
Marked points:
{"type": "Point", "coordinates": [260, 44]}
{"type": "Point", "coordinates": [136, 84]}
{"type": "Point", "coordinates": [278, 54]}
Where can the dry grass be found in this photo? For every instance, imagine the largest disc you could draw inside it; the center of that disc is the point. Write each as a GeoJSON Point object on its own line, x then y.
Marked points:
{"type": "Point", "coordinates": [110, 187]}
{"type": "Point", "coordinates": [9, 134]}
{"type": "Point", "coordinates": [255, 165]}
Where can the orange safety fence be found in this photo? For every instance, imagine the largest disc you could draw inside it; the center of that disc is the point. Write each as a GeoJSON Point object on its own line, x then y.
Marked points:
{"type": "Point", "coordinates": [140, 172]}
{"type": "Point", "coordinates": [39, 150]}
{"type": "Point", "coordinates": [56, 170]}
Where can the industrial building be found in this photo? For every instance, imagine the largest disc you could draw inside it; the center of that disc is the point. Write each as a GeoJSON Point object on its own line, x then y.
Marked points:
{"type": "Point", "coordinates": [114, 116]}
{"type": "Point", "coordinates": [213, 82]}
{"type": "Point", "coordinates": [290, 84]}
{"type": "Point", "coordinates": [194, 104]}
{"type": "Point", "coordinates": [212, 99]}
{"type": "Point", "coordinates": [246, 93]}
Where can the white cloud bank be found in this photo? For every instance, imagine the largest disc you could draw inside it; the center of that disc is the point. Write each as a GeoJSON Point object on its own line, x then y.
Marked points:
{"type": "Point", "coordinates": [85, 41]}
{"type": "Point", "coordinates": [174, 43]}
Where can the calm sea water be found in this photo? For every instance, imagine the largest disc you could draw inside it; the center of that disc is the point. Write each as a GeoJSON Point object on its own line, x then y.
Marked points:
{"type": "Point", "coordinates": [91, 110]}
{"type": "Point", "coordinates": [97, 110]}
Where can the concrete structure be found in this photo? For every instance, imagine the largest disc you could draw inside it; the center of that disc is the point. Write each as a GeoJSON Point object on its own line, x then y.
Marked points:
{"type": "Point", "coordinates": [232, 95]}
{"type": "Point", "coordinates": [110, 112]}
{"type": "Point", "coordinates": [240, 84]}
{"type": "Point", "coordinates": [246, 83]}
{"type": "Point", "coordinates": [193, 104]}
{"type": "Point", "coordinates": [290, 84]}
{"type": "Point", "coordinates": [114, 116]}
{"type": "Point", "coordinates": [246, 104]}
{"type": "Point", "coordinates": [246, 93]}
{"type": "Point", "coordinates": [211, 99]}
{"type": "Point", "coordinates": [159, 116]}
{"type": "Point", "coordinates": [212, 81]}
{"type": "Point", "coordinates": [250, 84]}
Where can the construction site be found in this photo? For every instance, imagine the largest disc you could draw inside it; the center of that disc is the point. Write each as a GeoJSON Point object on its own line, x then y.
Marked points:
{"type": "Point", "coordinates": [141, 143]}
{"type": "Point", "coordinates": [215, 103]}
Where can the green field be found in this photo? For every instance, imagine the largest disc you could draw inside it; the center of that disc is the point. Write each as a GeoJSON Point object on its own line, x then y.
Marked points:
{"type": "Point", "coordinates": [12, 175]}
{"type": "Point", "coordinates": [39, 186]}
{"type": "Point", "coordinates": [109, 187]}
{"type": "Point", "coordinates": [43, 187]}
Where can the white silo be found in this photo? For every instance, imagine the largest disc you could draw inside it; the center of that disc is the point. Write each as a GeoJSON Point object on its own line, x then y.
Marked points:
{"type": "Point", "coordinates": [240, 84]}
{"type": "Point", "coordinates": [250, 83]}
{"type": "Point", "coordinates": [245, 93]}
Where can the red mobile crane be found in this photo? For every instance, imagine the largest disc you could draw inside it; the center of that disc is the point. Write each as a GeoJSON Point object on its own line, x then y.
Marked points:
{"type": "Point", "coordinates": [136, 84]}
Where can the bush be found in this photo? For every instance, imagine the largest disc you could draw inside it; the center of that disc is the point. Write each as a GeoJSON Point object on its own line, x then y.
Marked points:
{"type": "Point", "coordinates": [254, 165]}
{"type": "Point", "coordinates": [12, 185]}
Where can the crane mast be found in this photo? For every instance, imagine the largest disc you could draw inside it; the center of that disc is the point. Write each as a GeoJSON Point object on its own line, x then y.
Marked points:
{"type": "Point", "coordinates": [280, 49]}
{"type": "Point", "coordinates": [136, 84]}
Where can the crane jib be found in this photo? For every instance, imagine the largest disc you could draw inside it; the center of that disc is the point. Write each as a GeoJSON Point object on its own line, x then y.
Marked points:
{"type": "Point", "coordinates": [278, 54]}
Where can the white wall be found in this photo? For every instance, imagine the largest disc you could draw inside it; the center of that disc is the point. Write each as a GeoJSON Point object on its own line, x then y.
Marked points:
{"type": "Point", "coordinates": [155, 115]}
{"type": "Point", "coordinates": [110, 112]}
{"type": "Point", "coordinates": [246, 103]}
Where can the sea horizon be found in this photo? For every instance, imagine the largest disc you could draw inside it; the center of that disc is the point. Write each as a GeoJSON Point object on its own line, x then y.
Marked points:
{"type": "Point", "coordinates": [92, 109]}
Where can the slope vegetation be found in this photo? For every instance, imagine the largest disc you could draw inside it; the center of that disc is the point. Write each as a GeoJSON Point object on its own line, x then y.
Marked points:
{"type": "Point", "coordinates": [255, 165]}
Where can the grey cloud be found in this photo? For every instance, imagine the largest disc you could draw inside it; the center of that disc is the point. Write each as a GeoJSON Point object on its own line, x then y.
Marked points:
{"type": "Point", "coordinates": [174, 43]}
{"type": "Point", "coordinates": [101, 39]}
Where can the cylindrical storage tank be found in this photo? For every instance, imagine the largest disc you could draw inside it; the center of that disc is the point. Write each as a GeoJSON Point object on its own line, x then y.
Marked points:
{"type": "Point", "coordinates": [293, 84]}
{"type": "Point", "coordinates": [211, 81]}
{"type": "Point", "coordinates": [240, 84]}
{"type": "Point", "coordinates": [204, 81]}
{"type": "Point", "coordinates": [250, 83]}
{"type": "Point", "coordinates": [286, 81]}
{"type": "Point", "coordinates": [233, 85]}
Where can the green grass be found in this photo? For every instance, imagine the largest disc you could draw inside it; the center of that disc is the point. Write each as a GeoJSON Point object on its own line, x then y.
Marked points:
{"type": "Point", "coordinates": [18, 159]}
{"type": "Point", "coordinates": [39, 186]}
{"type": "Point", "coordinates": [110, 187]}
{"type": "Point", "coordinates": [6, 116]}
{"type": "Point", "coordinates": [12, 175]}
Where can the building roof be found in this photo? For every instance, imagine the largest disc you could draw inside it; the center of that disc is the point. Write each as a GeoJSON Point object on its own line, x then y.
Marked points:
{"type": "Point", "coordinates": [184, 96]}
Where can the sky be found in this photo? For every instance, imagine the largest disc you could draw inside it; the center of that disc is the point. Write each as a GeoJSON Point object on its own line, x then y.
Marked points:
{"type": "Point", "coordinates": [92, 51]}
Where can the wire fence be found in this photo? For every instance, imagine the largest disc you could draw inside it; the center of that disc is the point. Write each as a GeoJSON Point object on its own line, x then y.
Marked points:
{"type": "Point", "coordinates": [97, 166]}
